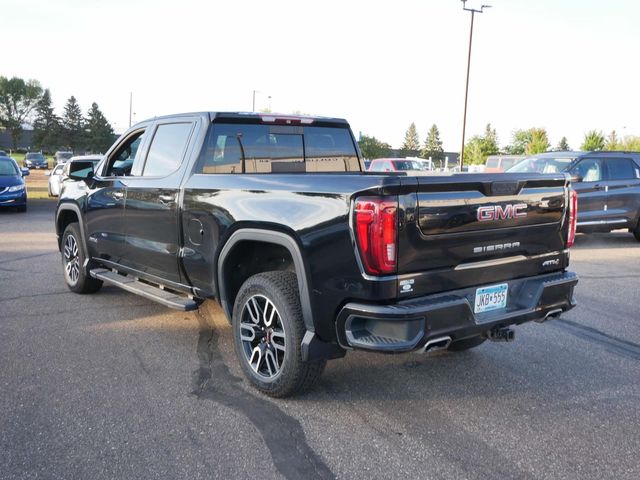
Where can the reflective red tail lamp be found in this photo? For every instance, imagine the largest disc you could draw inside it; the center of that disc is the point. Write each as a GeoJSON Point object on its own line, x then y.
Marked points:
{"type": "Point", "coordinates": [376, 229]}
{"type": "Point", "coordinates": [573, 217]}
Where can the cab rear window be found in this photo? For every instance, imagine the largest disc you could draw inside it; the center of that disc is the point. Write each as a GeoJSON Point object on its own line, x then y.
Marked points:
{"type": "Point", "coordinates": [257, 148]}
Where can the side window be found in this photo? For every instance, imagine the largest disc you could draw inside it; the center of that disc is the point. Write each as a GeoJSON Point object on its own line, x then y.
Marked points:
{"type": "Point", "coordinates": [388, 167]}
{"type": "Point", "coordinates": [622, 169]}
{"type": "Point", "coordinates": [120, 163]}
{"type": "Point", "coordinates": [167, 149]}
{"type": "Point", "coordinates": [590, 169]}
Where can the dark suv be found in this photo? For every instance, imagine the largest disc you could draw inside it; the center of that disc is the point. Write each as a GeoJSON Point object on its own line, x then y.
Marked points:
{"type": "Point", "coordinates": [608, 186]}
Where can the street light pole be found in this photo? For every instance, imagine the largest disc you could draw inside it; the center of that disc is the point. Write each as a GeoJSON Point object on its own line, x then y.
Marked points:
{"type": "Point", "coordinates": [466, 91]}
{"type": "Point", "coordinates": [253, 105]}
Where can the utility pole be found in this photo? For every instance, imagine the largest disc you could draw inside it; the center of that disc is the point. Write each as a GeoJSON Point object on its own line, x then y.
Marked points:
{"type": "Point", "coordinates": [466, 91]}
{"type": "Point", "coordinates": [130, 107]}
{"type": "Point", "coordinates": [253, 104]}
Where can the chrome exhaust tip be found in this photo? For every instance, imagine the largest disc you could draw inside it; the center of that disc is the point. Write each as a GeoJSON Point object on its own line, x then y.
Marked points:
{"type": "Point", "coordinates": [555, 313]}
{"type": "Point", "coordinates": [438, 343]}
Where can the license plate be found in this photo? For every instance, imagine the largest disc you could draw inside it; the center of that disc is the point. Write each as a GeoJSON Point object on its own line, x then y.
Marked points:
{"type": "Point", "coordinates": [491, 298]}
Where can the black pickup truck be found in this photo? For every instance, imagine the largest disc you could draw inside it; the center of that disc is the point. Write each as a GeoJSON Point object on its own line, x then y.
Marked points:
{"type": "Point", "coordinates": [309, 256]}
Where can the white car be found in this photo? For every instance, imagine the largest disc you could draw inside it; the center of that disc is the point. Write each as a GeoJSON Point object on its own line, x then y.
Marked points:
{"type": "Point", "coordinates": [61, 172]}
{"type": "Point", "coordinates": [55, 179]}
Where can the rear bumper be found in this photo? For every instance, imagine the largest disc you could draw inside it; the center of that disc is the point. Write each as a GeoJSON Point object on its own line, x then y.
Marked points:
{"type": "Point", "coordinates": [408, 325]}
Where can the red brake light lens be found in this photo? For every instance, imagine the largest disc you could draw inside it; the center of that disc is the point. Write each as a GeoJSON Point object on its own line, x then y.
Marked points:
{"type": "Point", "coordinates": [573, 217]}
{"type": "Point", "coordinates": [376, 225]}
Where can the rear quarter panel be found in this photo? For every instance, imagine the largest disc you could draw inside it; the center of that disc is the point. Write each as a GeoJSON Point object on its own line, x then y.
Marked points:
{"type": "Point", "coordinates": [313, 209]}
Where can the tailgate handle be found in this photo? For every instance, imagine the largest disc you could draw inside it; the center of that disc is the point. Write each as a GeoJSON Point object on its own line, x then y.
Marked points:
{"type": "Point", "coordinates": [505, 188]}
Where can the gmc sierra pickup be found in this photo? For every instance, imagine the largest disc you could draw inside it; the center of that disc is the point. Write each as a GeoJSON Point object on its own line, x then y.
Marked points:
{"type": "Point", "coordinates": [307, 255]}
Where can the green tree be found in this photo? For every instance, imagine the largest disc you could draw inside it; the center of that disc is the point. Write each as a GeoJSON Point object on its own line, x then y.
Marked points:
{"type": "Point", "coordinates": [433, 145]}
{"type": "Point", "coordinates": [490, 141]}
{"type": "Point", "coordinates": [72, 124]}
{"type": "Point", "coordinates": [411, 138]}
{"type": "Point", "coordinates": [46, 125]}
{"type": "Point", "coordinates": [538, 141]}
{"type": "Point", "coordinates": [18, 98]}
{"type": "Point", "coordinates": [479, 147]}
{"type": "Point", "coordinates": [630, 143]}
{"type": "Point", "coordinates": [563, 146]}
{"type": "Point", "coordinates": [372, 148]}
{"type": "Point", "coordinates": [473, 153]}
{"type": "Point", "coordinates": [519, 141]}
{"type": "Point", "coordinates": [613, 142]}
{"type": "Point", "coordinates": [98, 131]}
{"type": "Point", "coordinates": [593, 140]}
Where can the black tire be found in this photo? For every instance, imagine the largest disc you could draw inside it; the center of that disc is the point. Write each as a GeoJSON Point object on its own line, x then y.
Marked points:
{"type": "Point", "coordinates": [279, 340]}
{"type": "Point", "coordinates": [76, 277]}
{"type": "Point", "coordinates": [636, 232]}
{"type": "Point", "coordinates": [466, 344]}
{"type": "Point", "coordinates": [21, 209]}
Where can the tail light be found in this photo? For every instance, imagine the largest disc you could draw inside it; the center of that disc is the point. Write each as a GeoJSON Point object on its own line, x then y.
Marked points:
{"type": "Point", "coordinates": [573, 217]}
{"type": "Point", "coordinates": [376, 226]}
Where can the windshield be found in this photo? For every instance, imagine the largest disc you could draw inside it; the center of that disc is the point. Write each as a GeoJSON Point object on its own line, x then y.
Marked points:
{"type": "Point", "coordinates": [407, 165]}
{"type": "Point", "coordinates": [542, 165]}
{"type": "Point", "coordinates": [34, 156]}
{"type": "Point", "coordinates": [8, 168]}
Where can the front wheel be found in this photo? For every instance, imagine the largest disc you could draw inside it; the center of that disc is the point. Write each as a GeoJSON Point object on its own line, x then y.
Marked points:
{"type": "Point", "coordinates": [268, 329]}
{"type": "Point", "coordinates": [636, 231]}
{"type": "Point", "coordinates": [74, 255]}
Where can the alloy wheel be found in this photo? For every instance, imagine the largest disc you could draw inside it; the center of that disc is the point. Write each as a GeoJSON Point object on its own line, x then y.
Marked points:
{"type": "Point", "coordinates": [71, 259]}
{"type": "Point", "coordinates": [263, 337]}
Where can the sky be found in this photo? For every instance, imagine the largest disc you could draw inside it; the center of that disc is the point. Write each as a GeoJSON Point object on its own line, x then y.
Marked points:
{"type": "Point", "coordinates": [566, 65]}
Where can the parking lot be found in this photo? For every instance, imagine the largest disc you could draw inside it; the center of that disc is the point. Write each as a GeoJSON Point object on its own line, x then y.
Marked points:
{"type": "Point", "coordinates": [111, 385]}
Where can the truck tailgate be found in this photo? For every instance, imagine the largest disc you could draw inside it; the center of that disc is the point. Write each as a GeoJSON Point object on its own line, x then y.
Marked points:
{"type": "Point", "coordinates": [471, 229]}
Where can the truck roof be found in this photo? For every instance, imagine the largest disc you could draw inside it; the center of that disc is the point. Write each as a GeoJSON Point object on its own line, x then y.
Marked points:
{"type": "Point", "coordinates": [235, 116]}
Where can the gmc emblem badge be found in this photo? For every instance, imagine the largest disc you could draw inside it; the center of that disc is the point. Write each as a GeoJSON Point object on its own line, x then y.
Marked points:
{"type": "Point", "coordinates": [498, 212]}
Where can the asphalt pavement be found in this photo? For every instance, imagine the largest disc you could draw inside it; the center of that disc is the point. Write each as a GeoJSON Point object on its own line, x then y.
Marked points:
{"type": "Point", "coordinates": [113, 386]}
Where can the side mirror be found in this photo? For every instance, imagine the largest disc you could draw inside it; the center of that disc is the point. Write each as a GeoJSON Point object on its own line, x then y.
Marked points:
{"type": "Point", "coordinates": [576, 178]}
{"type": "Point", "coordinates": [24, 171]}
{"type": "Point", "coordinates": [81, 170]}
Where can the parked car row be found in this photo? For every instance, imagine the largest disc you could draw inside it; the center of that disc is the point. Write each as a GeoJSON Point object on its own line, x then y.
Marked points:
{"type": "Point", "coordinates": [413, 165]}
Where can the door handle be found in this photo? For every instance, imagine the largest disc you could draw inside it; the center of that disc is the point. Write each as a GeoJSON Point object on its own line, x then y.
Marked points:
{"type": "Point", "coordinates": [166, 198]}
{"type": "Point", "coordinates": [118, 195]}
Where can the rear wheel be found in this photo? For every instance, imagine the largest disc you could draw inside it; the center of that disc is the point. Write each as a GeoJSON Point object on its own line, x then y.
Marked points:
{"type": "Point", "coordinates": [73, 258]}
{"type": "Point", "coordinates": [466, 344]}
{"type": "Point", "coordinates": [268, 329]}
